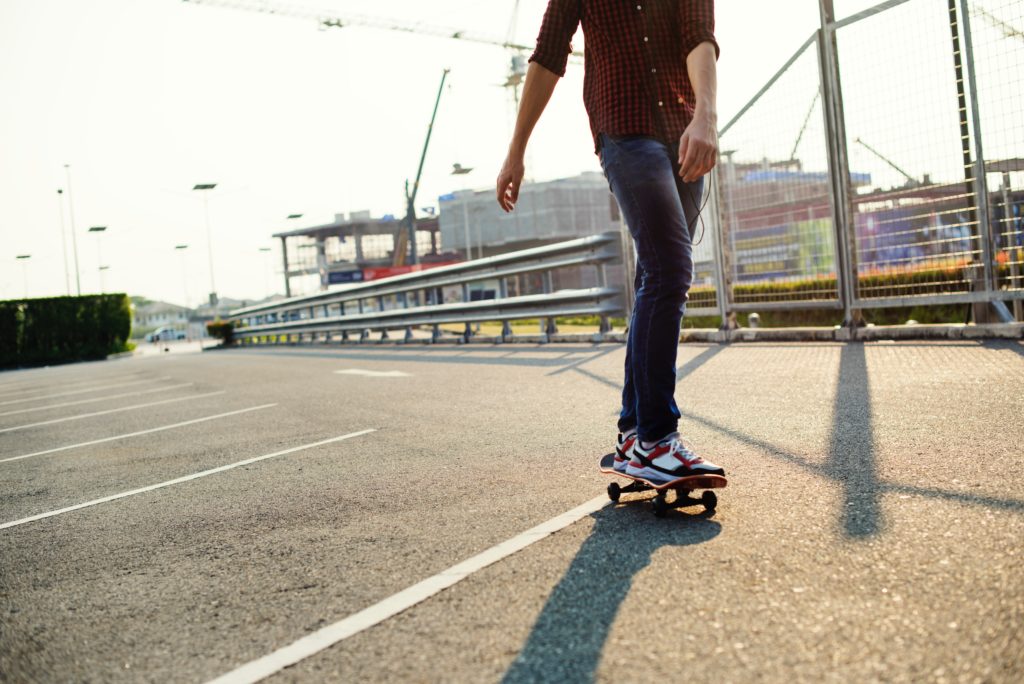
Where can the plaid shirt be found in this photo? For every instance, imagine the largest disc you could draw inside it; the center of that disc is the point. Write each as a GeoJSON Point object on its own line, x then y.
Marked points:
{"type": "Point", "coordinates": [635, 79]}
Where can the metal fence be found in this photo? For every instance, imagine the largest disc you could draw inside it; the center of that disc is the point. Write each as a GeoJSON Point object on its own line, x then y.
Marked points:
{"type": "Point", "coordinates": [431, 298]}
{"type": "Point", "coordinates": [881, 166]}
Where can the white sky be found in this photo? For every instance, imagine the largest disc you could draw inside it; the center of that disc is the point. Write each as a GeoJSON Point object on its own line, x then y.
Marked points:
{"type": "Point", "coordinates": [145, 98]}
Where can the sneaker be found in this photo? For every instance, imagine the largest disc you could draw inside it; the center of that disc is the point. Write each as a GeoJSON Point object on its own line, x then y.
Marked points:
{"type": "Point", "coordinates": [667, 460]}
{"type": "Point", "coordinates": [623, 451]}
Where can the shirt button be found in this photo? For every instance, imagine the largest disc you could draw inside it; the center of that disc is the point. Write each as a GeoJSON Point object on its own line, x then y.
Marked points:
{"type": "Point", "coordinates": [638, 7]}
{"type": "Point", "coordinates": [679, 101]}
{"type": "Point", "coordinates": [654, 71]}
{"type": "Point", "coordinates": [660, 103]}
{"type": "Point", "coordinates": [646, 39]}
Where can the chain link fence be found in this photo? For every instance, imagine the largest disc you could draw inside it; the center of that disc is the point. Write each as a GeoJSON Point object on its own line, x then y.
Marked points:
{"type": "Point", "coordinates": [882, 165]}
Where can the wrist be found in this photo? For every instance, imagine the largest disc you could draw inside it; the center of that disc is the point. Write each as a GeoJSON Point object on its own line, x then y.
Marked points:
{"type": "Point", "coordinates": [706, 112]}
{"type": "Point", "coordinates": [517, 150]}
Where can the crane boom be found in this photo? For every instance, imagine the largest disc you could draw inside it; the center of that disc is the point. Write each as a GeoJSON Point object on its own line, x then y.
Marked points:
{"type": "Point", "coordinates": [331, 19]}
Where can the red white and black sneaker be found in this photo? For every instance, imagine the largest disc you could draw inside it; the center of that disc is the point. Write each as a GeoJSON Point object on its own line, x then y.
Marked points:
{"type": "Point", "coordinates": [623, 450]}
{"type": "Point", "coordinates": [667, 460]}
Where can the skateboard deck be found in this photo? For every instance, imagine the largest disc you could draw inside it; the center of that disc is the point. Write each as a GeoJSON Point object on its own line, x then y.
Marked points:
{"type": "Point", "coordinates": [682, 486]}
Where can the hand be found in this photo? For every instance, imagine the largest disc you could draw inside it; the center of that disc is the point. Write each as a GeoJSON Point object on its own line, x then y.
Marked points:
{"type": "Point", "coordinates": [509, 179]}
{"type": "Point", "coordinates": [698, 147]}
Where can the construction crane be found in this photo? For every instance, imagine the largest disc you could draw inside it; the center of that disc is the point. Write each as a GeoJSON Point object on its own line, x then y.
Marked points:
{"type": "Point", "coordinates": [911, 181]}
{"type": "Point", "coordinates": [328, 19]}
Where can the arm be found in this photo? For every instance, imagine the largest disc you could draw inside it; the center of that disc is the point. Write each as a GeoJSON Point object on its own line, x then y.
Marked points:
{"type": "Point", "coordinates": [547, 65]}
{"type": "Point", "coordinates": [698, 146]}
{"type": "Point", "coordinates": [540, 83]}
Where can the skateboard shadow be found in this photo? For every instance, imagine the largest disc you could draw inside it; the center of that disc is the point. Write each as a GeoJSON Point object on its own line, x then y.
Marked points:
{"type": "Point", "coordinates": [568, 638]}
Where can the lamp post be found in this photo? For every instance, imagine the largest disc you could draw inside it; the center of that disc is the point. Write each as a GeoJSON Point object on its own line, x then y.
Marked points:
{"type": "Point", "coordinates": [74, 236]}
{"type": "Point", "coordinates": [180, 249]}
{"type": "Point", "coordinates": [103, 269]}
{"type": "Point", "coordinates": [23, 258]}
{"type": "Point", "coordinates": [63, 240]}
{"type": "Point", "coordinates": [266, 269]}
{"type": "Point", "coordinates": [460, 170]}
{"type": "Point", "coordinates": [209, 239]}
{"type": "Point", "coordinates": [99, 230]}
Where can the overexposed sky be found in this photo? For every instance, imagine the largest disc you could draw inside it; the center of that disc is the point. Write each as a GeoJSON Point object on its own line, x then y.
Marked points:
{"type": "Point", "coordinates": [145, 98]}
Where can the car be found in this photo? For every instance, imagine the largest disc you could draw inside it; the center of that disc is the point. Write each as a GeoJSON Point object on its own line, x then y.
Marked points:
{"type": "Point", "coordinates": [165, 333]}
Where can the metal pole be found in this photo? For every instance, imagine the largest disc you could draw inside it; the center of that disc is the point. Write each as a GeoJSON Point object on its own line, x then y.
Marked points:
{"type": "Point", "coordinates": [99, 261]}
{"type": "Point", "coordinates": [284, 259]}
{"type": "Point", "coordinates": [184, 276]}
{"type": "Point", "coordinates": [835, 125]}
{"type": "Point", "coordinates": [980, 179]}
{"type": "Point", "coordinates": [74, 237]}
{"type": "Point", "coordinates": [63, 240]}
{"type": "Point", "coordinates": [209, 248]}
{"type": "Point", "coordinates": [411, 215]}
{"type": "Point", "coordinates": [722, 294]}
{"type": "Point", "coordinates": [465, 219]}
{"type": "Point", "coordinates": [1013, 249]}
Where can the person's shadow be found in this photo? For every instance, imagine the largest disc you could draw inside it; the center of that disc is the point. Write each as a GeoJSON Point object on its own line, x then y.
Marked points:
{"type": "Point", "coordinates": [568, 638]}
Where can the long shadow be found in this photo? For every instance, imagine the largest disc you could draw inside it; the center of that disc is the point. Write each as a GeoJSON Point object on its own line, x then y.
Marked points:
{"type": "Point", "coordinates": [494, 356]}
{"type": "Point", "coordinates": [851, 454]}
{"type": "Point", "coordinates": [568, 638]}
{"type": "Point", "coordinates": [588, 359]}
{"type": "Point", "coordinates": [1011, 345]}
{"type": "Point", "coordinates": [698, 361]}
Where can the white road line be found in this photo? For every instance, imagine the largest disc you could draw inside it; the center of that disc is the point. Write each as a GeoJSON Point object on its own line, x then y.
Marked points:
{"type": "Point", "coordinates": [136, 434]}
{"type": "Point", "coordinates": [81, 391]}
{"type": "Point", "coordinates": [393, 605]}
{"type": "Point", "coordinates": [179, 480]}
{"type": "Point", "coordinates": [33, 386]}
{"type": "Point", "coordinates": [372, 374]}
{"type": "Point", "coordinates": [95, 399]}
{"type": "Point", "coordinates": [116, 410]}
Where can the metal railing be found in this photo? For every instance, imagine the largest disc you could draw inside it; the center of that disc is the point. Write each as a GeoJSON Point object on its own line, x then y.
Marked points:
{"type": "Point", "coordinates": [415, 300]}
{"type": "Point", "coordinates": [899, 180]}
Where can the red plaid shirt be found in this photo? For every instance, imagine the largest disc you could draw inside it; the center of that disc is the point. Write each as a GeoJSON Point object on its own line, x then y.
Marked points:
{"type": "Point", "coordinates": [635, 79]}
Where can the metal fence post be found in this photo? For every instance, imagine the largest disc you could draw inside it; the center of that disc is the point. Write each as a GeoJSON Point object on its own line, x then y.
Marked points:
{"type": "Point", "coordinates": [980, 179]}
{"type": "Point", "coordinates": [723, 290]}
{"type": "Point", "coordinates": [839, 175]}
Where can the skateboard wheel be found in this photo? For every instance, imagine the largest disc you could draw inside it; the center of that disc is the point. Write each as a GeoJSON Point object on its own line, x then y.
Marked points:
{"type": "Point", "coordinates": [709, 499]}
{"type": "Point", "coordinates": [614, 491]}
{"type": "Point", "coordinates": [660, 506]}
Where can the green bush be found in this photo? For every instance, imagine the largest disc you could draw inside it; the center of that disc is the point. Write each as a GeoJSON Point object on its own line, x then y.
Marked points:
{"type": "Point", "coordinates": [63, 329]}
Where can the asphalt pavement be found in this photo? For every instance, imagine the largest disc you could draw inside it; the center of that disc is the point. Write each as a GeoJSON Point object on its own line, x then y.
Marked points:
{"type": "Point", "coordinates": [435, 514]}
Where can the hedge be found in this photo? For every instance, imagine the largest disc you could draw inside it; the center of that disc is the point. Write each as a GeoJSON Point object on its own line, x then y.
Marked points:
{"type": "Point", "coordinates": [63, 329]}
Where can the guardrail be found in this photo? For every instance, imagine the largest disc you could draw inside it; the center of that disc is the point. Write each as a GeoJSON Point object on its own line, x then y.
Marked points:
{"type": "Point", "coordinates": [362, 308]}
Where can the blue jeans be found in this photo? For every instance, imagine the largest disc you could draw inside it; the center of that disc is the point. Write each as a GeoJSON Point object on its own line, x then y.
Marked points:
{"type": "Point", "coordinates": [661, 211]}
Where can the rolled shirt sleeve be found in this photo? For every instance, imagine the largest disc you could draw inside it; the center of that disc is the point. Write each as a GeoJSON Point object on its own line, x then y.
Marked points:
{"type": "Point", "coordinates": [697, 24]}
{"type": "Point", "coordinates": [554, 43]}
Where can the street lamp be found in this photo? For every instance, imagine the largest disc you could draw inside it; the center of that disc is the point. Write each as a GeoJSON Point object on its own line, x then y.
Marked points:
{"type": "Point", "coordinates": [209, 239]}
{"type": "Point", "coordinates": [74, 234]}
{"type": "Point", "coordinates": [184, 274]}
{"type": "Point", "coordinates": [266, 263]}
{"type": "Point", "coordinates": [63, 240]}
{"type": "Point", "coordinates": [23, 258]}
{"type": "Point", "coordinates": [99, 253]}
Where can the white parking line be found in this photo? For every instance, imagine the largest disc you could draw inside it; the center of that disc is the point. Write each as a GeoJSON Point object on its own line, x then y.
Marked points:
{"type": "Point", "coordinates": [327, 636]}
{"type": "Point", "coordinates": [372, 374]}
{"type": "Point", "coordinates": [36, 386]}
{"type": "Point", "coordinates": [179, 480]}
{"type": "Point", "coordinates": [108, 411]}
{"type": "Point", "coordinates": [122, 395]}
{"type": "Point", "coordinates": [81, 391]}
{"type": "Point", "coordinates": [136, 434]}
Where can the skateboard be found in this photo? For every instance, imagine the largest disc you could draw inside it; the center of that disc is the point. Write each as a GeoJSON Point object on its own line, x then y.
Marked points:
{"type": "Point", "coordinates": [682, 486]}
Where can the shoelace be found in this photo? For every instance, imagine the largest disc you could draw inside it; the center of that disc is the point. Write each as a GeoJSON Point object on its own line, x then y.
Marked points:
{"type": "Point", "coordinates": [688, 457]}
